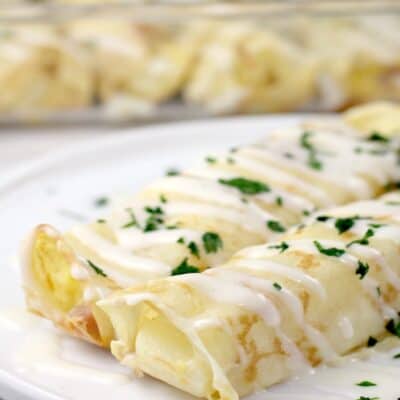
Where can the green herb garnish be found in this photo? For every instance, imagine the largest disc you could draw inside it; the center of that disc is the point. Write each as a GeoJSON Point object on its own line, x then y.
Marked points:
{"type": "Point", "coordinates": [396, 356]}
{"type": "Point", "coordinates": [154, 220]}
{"type": "Point", "coordinates": [192, 246]}
{"type": "Point", "coordinates": [366, 384]}
{"type": "Point", "coordinates": [96, 269]}
{"type": "Point", "coordinates": [181, 240]}
{"type": "Point", "coordinates": [323, 218]}
{"type": "Point", "coordinates": [393, 327]}
{"type": "Point", "coordinates": [101, 221]}
{"type": "Point", "coordinates": [364, 240]}
{"type": "Point", "coordinates": [368, 398]}
{"type": "Point", "coordinates": [184, 268]}
{"type": "Point", "coordinates": [328, 251]}
{"type": "Point", "coordinates": [212, 242]}
{"type": "Point", "coordinates": [283, 246]}
{"type": "Point", "coordinates": [163, 199]}
{"type": "Point", "coordinates": [279, 201]}
{"type": "Point", "coordinates": [275, 226]}
{"type": "Point", "coordinates": [362, 269]}
{"type": "Point", "coordinates": [277, 286]}
{"type": "Point", "coordinates": [133, 222]}
{"type": "Point", "coordinates": [377, 137]}
{"type": "Point", "coordinates": [344, 224]}
{"type": "Point", "coordinates": [313, 162]}
{"type": "Point", "coordinates": [211, 160]}
{"type": "Point", "coordinates": [172, 172]}
{"type": "Point", "coordinates": [371, 341]}
{"type": "Point", "coordinates": [101, 201]}
{"type": "Point", "coordinates": [246, 186]}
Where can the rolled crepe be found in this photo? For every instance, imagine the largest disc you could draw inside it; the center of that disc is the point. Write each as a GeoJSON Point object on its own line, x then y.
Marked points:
{"type": "Point", "coordinates": [321, 291]}
{"type": "Point", "coordinates": [199, 219]}
{"type": "Point", "coordinates": [40, 70]}
{"type": "Point", "coordinates": [242, 68]}
{"type": "Point", "coordinates": [146, 63]}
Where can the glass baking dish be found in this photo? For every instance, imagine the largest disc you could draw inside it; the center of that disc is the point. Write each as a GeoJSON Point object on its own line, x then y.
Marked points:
{"type": "Point", "coordinates": [84, 60]}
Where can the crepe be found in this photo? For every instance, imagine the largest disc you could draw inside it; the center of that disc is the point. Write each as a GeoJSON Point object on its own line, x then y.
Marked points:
{"type": "Point", "coordinates": [141, 62]}
{"type": "Point", "coordinates": [40, 70]}
{"type": "Point", "coordinates": [324, 289]}
{"type": "Point", "coordinates": [200, 218]}
{"type": "Point", "coordinates": [242, 68]}
{"type": "Point", "coordinates": [382, 117]}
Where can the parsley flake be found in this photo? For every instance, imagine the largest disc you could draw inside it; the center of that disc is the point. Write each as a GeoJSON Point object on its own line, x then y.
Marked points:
{"type": "Point", "coordinates": [97, 269]}
{"type": "Point", "coordinates": [344, 224]}
{"type": "Point", "coordinates": [322, 218]}
{"type": "Point", "coordinates": [279, 201]}
{"type": "Point", "coordinates": [133, 222]}
{"type": "Point", "coordinates": [368, 398]}
{"type": "Point", "coordinates": [101, 221]}
{"type": "Point", "coordinates": [328, 251]}
{"type": "Point", "coordinates": [283, 246]}
{"type": "Point", "coordinates": [371, 342]}
{"type": "Point", "coordinates": [184, 268]}
{"type": "Point", "coordinates": [275, 226]}
{"type": "Point", "coordinates": [364, 240]}
{"type": "Point", "coordinates": [101, 201]}
{"type": "Point", "coordinates": [312, 162]}
{"type": "Point", "coordinates": [377, 137]}
{"type": "Point", "coordinates": [172, 172]}
{"type": "Point", "coordinates": [192, 246]}
{"type": "Point", "coordinates": [362, 269]}
{"type": "Point", "coordinates": [211, 160]}
{"type": "Point", "coordinates": [246, 186]}
{"type": "Point", "coordinates": [393, 327]}
{"type": "Point", "coordinates": [366, 384]}
{"type": "Point", "coordinates": [163, 199]}
{"type": "Point", "coordinates": [396, 356]}
{"type": "Point", "coordinates": [181, 240]}
{"type": "Point", "coordinates": [277, 286]}
{"type": "Point", "coordinates": [212, 242]}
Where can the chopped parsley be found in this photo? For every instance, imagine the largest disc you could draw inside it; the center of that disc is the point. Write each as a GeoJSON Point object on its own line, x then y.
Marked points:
{"type": "Point", "coordinates": [133, 222]}
{"type": "Point", "coordinates": [163, 199]}
{"type": "Point", "coordinates": [313, 161]}
{"type": "Point", "coordinates": [323, 218]}
{"type": "Point", "coordinates": [154, 220]}
{"type": "Point", "coordinates": [393, 203]}
{"type": "Point", "coordinates": [344, 224]}
{"type": "Point", "coordinates": [277, 286]}
{"type": "Point", "coordinates": [306, 213]}
{"type": "Point", "coordinates": [192, 246]}
{"type": "Point", "coordinates": [246, 186]}
{"type": "Point", "coordinates": [328, 251]}
{"type": "Point", "coordinates": [362, 269]}
{"type": "Point", "coordinates": [101, 221]}
{"type": "Point", "coordinates": [181, 240]}
{"type": "Point", "coordinates": [366, 384]}
{"type": "Point", "coordinates": [368, 398]}
{"type": "Point", "coordinates": [212, 242]}
{"type": "Point", "coordinates": [376, 226]}
{"type": "Point", "coordinates": [275, 226]}
{"type": "Point", "coordinates": [172, 172]}
{"type": "Point", "coordinates": [96, 269]}
{"type": "Point", "coordinates": [393, 327]}
{"type": "Point", "coordinates": [101, 201]}
{"type": "Point", "coordinates": [211, 160]}
{"type": "Point", "coordinates": [396, 356]}
{"type": "Point", "coordinates": [371, 341]}
{"type": "Point", "coordinates": [184, 268]}
{"type": "Point", "coordinates": [364, 240]}
{"type": "Point", "coordinates": [283, 246]}
{"type": "Point", "coordinates": [378, 291]}
{"type": "Point", "coordinates": [279, 201]}
{"type": "Point", "coordinates": [377, 137]}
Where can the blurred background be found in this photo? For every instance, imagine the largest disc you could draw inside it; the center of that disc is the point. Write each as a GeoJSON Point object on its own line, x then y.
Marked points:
{"type": "Point", "coordinates": [70, 68]}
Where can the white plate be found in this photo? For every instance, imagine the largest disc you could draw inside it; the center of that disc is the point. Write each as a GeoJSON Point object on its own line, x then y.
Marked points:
{"type": "Point", "coordinates": [36, 361]}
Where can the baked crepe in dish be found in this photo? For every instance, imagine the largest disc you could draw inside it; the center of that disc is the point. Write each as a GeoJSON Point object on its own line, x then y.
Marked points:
{"type": "Point", "coordinates": [199, 219]}
{"type": "Point", "coordinates": [321, 291]}
{"type": "Point", "coordinates": [243, 68]}
{"type": "Point", "coordinates": [41, 70]}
